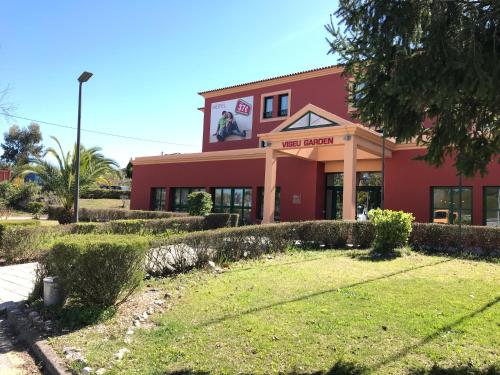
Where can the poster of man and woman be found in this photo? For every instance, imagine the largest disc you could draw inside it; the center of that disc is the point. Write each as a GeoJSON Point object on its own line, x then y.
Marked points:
{"type": "Point", "coordinates": [231, 120]}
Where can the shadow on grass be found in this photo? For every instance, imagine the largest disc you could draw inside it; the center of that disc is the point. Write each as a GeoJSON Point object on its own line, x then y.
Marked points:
{"type": "Point", "coordinates": [73, 316]}
{"type": "Point", "coordinates": [408, 349]}
{"type": "Point", "coordinates": [462, 370]}
{"type": "Point", "coordinates": [376, 257]}
{"type": "Point", "coordinates": [313, 295]}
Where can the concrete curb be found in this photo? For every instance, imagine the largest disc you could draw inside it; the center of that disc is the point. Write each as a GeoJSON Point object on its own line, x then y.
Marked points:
{"type": "Point", "coordinates": [39, 347]}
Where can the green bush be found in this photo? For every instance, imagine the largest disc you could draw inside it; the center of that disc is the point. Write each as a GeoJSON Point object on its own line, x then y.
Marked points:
{"type": "Point", "coordinates": [18, 196]}
{"type": "Point", "coordinates": [392, 229]}
{"type": "Point", "coordinates": [220, 220]}
{"type": "Point", "coordinates": [35, 208]}
{"type": "Point", "coordinates": [105, 194]}
{"type": "Point", "coordinates": [98, 270]}
{"type": "Point", "coordinates": [59, 213]}
{"type": "Point", "coordinates": [474, 240]}
{"type": "Point", "coordinates": [108, 214]}
{"type": "Point", "coordinates": [4, 224]}
{"type": "Point", "coordinates": [199, 203]}
{"type": "Point", "coordinates": [22, 243]}
{"type": "Point", "coordinates": [27, 240]}
{"type": "Point", "coordinates": [362, 233]}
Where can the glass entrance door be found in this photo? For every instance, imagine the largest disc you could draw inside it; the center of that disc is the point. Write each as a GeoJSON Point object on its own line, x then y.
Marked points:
{"type": "Point", "coordinates": [333, 203]}
{"type": "Point", "coordinates": [367, 198]}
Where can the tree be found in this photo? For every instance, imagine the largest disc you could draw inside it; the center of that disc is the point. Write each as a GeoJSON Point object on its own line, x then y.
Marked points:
{"type": "Point", "coordinates": [426, 61]}
{"type": "Point", "coordinates": [22, 144]}
{"type": "Point", "coordinates": [60, 178]}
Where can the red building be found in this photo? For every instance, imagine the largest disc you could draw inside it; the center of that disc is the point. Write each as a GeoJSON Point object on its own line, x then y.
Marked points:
{"type": "Point", "coordinates": [287, 148]}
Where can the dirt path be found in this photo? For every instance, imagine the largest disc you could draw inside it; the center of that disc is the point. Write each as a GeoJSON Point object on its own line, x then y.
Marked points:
{"type": "Point", "coordinates": [14, 359]}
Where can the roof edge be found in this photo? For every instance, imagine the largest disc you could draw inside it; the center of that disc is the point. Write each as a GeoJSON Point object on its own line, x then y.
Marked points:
{"type": "Point", "coordinates": [288, 77]}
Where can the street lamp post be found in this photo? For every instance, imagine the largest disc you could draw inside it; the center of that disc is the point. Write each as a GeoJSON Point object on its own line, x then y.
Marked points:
{"type": "Point", "coordinates": [84, 77]}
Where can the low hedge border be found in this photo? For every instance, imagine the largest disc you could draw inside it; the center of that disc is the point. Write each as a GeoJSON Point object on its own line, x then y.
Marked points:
{"type": "Point", "coordinates": [105, 194]}
{"type": "Point", "coordinates": [179, 253]}
{"type": "Point", "coordinates": [109, 214]}
{"type": "Point", "coordinates": [24, 242]}
{"type": "Point", "coordinates": [4, 224]}
{"type": "Point", "coordinates": [442, 238]}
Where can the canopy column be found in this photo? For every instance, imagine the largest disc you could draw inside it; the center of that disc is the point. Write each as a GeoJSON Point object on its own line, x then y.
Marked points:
{"type": "Point", "coordinates": [269, 186]}
{"type": "Point", "coordinates": [349, 193]}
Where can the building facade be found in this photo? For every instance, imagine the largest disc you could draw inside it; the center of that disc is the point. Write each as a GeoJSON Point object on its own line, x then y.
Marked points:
{"type": "Point", "coordinates": [288, 149]}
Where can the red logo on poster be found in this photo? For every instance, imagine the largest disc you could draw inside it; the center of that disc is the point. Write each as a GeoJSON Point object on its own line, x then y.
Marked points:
{"type": "Point", "coordinates": [242, 107]}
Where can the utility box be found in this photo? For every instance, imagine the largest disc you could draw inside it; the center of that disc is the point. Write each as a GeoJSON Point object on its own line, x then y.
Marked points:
{"type": "Point", "coordinates": [52, 292]}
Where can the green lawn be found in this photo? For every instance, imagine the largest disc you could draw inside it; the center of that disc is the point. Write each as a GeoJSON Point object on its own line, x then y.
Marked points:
{"type": "Point", "coordinates": [104, 203]}
{"type": "Point", "coordinates": [314, 312]}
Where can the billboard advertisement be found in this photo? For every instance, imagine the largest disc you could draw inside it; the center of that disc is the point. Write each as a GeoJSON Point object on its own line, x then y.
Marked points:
{"type": "Point", "coordinates": [231, 120]}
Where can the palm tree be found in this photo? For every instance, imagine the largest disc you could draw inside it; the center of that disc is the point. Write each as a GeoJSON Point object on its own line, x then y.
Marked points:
{"type": "Point", "coordinates": [60, 178]}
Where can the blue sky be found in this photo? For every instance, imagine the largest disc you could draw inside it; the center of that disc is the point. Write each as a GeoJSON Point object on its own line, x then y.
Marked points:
{"type": "Point", "coordinates": [149, 59]}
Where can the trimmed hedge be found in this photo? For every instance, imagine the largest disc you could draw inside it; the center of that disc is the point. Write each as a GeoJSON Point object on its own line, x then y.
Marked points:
{"type": "Point", "coordinates": [475, 240]}
{"type": "Point", "coordinates": [24, 243]}
{"type": "Point", "coordinates": [105, 194]}
{"type": "Point", "coordinates": [98, 270]}
{"type": "Point", "coordinates": [4, 224]}
{"type": "Point", "coordinates": [231, 244]}
{"type": "Point", "coordinates": [108, 214]}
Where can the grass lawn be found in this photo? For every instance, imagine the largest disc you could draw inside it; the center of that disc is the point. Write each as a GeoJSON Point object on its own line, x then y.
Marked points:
{"type": "Point", "coordinates": [314, 312]}
{"type": "Point", "coordinates": [104, 203]}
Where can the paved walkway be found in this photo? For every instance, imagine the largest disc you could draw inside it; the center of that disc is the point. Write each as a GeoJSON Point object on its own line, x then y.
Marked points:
{"type": "Point", "coordinates": [16, 283]}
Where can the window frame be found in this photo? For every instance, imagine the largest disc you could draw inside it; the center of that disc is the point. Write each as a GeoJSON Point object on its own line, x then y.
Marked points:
{"type": "Point", "coordinates": [182, 207]}
{"type": "Point", "coordinates": [231, 207]}
{"type": "Point", "coordinates": [485, 208]}
{"type": "Point", "coordinates": [280, 109]}
{"type": "Point", "coordinates": [265, 113]}
{"type": "Point", "coordinates": [152, 203]}
{"type": "Point", "coordinates": [275, 95]}
{"type": "Point", "coordinates": [450, 197]}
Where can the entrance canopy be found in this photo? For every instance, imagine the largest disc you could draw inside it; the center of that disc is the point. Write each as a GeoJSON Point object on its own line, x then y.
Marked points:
{"type": "Point", "coordinates": [315, 134]}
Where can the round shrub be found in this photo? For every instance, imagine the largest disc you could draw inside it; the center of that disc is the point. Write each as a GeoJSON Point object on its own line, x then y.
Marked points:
{"type": "Point", "coordinates": [392, 229]}
{"type": "Point", "coordinates": [98, 270]}
{"type": "Point", "coordinates": [199, 203]}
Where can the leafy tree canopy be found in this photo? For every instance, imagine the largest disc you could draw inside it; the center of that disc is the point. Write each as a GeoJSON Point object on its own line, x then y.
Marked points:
{"type": "Point", "coordinates": [22, 144]}
{"type": "Point", "coordinates": [60, 177]}
{"type": "Point", "coordinates": [419, 60]}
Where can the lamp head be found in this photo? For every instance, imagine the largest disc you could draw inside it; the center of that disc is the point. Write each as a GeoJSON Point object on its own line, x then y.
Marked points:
{"type": "Point", "coordinates": [84, 77]}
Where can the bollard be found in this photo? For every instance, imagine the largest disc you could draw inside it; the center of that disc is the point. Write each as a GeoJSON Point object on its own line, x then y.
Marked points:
{"type": "Point", "coordinates": [52, 294]}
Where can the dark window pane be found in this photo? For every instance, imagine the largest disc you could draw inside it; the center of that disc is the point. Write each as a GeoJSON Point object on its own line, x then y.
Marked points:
{"type": "Point", "coordinates": [283, 105]}
{"type": "Point", "coordinates": [238, 197]}
{"type": "Point", "coordinates": [268, 107]}
{"type": "Point", "coordinates": [247, 201]}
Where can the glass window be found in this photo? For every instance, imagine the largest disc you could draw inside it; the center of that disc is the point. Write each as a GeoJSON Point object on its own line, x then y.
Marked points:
{"type": "Point", "coordinates": [368, 179]}
{"type": "Point", "coordinates": [310, 120]}
{"type": "Point", "coordinates": [268, 107]}
{"type": "Point", "coordinates": [180, 195]}
{"type": "Point", "coordinates": [260, 203]}
{"type": "Point", "coordinates": [234, 200]}
{"type": "Point", "coordinates": [335, 179]}
{"type": "Point", "coordinates": [283, 105]}
{"type": "Point", "coordinates": [445, 202]}
{"type": "Point", "coordinates": [158, 199]}
{"type": "Point", "coordinates": [492, 206]}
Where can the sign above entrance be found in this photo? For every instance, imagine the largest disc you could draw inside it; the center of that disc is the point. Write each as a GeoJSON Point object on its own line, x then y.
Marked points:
{"type": "Point", "coordinates": [308, 142]}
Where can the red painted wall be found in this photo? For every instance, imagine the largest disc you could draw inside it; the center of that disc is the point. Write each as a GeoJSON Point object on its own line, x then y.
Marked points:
{"type": "Point", "coordinates": [5, 174]}
{"type": "Point", "coordinates": [408, 184]}
{"type": "Point", "coordinates": [294, 177]}
{"type": "Point", "coordinates": [327, 92]}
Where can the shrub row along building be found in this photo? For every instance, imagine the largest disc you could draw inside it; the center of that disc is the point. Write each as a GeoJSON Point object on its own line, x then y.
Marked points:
{"type": "Point", "coordinates": [287, 148]}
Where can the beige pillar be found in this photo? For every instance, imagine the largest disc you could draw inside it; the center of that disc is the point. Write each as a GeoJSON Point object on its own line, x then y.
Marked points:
{"type": "Point", "coordinates": [349, 197]}
{"type": "Point", "coordinates": [269, 186]}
